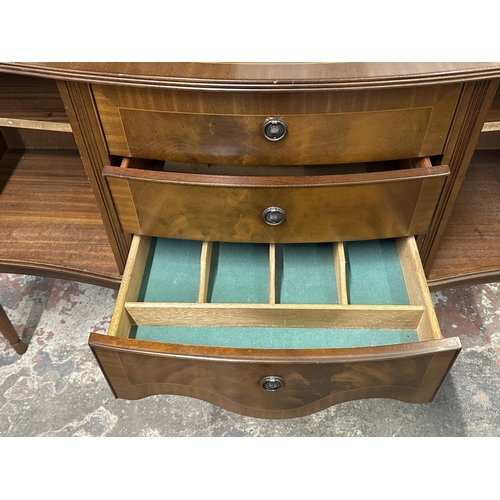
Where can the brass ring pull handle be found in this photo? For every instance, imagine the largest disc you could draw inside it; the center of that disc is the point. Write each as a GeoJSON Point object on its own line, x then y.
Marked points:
{"type": "Point", "coordinates": [273, 216]}
{"type": "Point", "coordinates": [272, 383]}
{"type": "Point", "coordinates": [274, 129]}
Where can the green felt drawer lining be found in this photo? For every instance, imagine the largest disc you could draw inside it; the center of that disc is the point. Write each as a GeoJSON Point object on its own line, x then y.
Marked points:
{"type": "Point", "coordinates": [273, 338]}
{"type": "Point", "coordinates": [305, 274]}
{"type": "Point", "coordinates": [239, 273]}
{"type": "Point", "coordinates": [172, 271]}
{"type": "Point", "coordinates": [374, 274]}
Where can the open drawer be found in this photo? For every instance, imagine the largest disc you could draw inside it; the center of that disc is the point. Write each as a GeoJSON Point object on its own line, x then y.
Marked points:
{"type": "Point", "coordinates": [378, 200]}
{"type": "Point", "coordinates": [274, 331]}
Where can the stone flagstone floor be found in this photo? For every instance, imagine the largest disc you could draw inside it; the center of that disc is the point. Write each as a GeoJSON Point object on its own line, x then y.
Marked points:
{"type": "Point", "coordinates": [57, 389]}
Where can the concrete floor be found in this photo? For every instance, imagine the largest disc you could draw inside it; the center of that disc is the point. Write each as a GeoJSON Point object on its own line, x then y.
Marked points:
{"type": "Point", "coordinates": [57, 389]}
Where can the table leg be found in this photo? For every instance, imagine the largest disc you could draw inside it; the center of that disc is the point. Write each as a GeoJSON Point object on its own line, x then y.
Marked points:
{"type": "Point", "coordinates": [10, 333]}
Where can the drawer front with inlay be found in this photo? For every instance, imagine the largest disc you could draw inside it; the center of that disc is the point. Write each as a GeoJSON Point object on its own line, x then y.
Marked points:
{"type": "Point", "coordinates": [369, 205]}
{"type": "Point", "coordinates": [304, 128]}
{"type": "Point", "coordinates": [274, 331]}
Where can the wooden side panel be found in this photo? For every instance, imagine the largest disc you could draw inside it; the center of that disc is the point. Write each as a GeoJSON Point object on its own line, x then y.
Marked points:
{"type": "Point", "coordinates": [385, 208]}
{"type": "Point", "coordinates": [416, 285]}
{"type": "Point", "coordinates": [323, 127]}
{"type": "Point", "coordinates": [313, 381]}
{"type": "Point", "coordinates": [80, 107]}
{"type": "Point", "coordinates": [49, 222]}
{"type": "Point", "coordinates": [130, 287]}
{"type": "Point", "coordinates": [469, 251]}
{"type": "Point", "coordinates": [472, 111]}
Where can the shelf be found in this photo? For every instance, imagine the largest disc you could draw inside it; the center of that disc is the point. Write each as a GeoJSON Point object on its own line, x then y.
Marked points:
{"type": "Point", "coordinates": [35, 124]}
{"type": "Point", "coordinates": [470, 248]}
{"type": "Point", "coordinates": [31, 102]}
{"type": "Point", "coordinates": [49, 223]}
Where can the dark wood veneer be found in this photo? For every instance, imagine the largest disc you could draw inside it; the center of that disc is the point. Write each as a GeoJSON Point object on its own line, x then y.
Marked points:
{"type": "Point", "coordinates": [260, 76]}
{"type": "Point", "coordinates": [470, 247]}
{"type": "Point", "coordinates": [471, 113]}
{"type": "Point", "coordinates": [26, 98]}
{"type": "Point", "coordinates": [212, 112]}
{"type": "Point", "coordinates": [323, 127]}
{"type": "Point", "coordinates": [314, 379]}
{"type": "Point", "coordinates": [49, 222]}
{"type": "Point", "coordinates": [319, 208]}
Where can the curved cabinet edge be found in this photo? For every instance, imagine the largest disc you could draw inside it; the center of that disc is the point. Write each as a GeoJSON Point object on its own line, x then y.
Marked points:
{"type": "Point", "coordinates": [254, 77]}
{"type": "Point", "coordinates": [61, 272]}
{"type": "Point", "coordinates": [466, 279]}
{"type": "Point", "coordinates": [315, 379]}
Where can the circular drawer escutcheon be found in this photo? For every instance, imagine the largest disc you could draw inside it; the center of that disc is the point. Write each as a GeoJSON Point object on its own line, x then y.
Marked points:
{"type": "Point", "coordinates": [273, 216]}
{"type": "Point", "coordinates": [274, 129]}
{"type": "Point", "coordinates": [272, 383]}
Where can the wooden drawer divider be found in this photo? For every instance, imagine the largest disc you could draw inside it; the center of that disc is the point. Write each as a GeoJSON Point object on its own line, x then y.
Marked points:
{"type": "Point", "coordinates": [271, 314]}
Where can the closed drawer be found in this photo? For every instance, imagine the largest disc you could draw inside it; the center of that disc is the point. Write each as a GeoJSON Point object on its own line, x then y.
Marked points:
{"type": "Point", "coordinates": [322, 127]}
{"type": "Point", "coordinates": [391, 202]}
{"type": "Point", "coordinates": [274, 331]}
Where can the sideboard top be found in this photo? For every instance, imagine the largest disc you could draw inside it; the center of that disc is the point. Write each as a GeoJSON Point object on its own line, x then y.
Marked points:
{"type": "Point", "coordinates": [259, 76]}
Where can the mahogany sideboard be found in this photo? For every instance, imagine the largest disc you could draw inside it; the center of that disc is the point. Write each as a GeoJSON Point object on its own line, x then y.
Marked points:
{"type": "Point", "coordinates": [273, 228]}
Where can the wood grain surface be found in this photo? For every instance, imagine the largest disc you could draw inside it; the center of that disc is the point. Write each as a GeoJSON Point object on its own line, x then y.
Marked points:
{"type": "Point", "coordinates": [318, 208]}
{"type": "Point", "coordinates": [26, 138]}
{"type": "Point", "coordinates": [31, 100]}
{"type": "Point", "coordinates": [470, 247]}
{"type": "Point", "coordinates": [314, 379]}
{"type": "Point", "coordinates": [416, 286]}
{"type": "Point", "coordinates": [205, 261]}
{"type": "Point", "coordinates": [471, 113]}
{"type": "Point", "coordinates": [49, 221]}
{"type": "Point", "coordinates": [266, 76]}
{"type": "Point", "coordinates": [85, 123]}
{"type": "Point", "coordinates": [323, 127]}
{"type": "Point", "coordinates": [130, 286]}
{"type": "Point", "coordinates": [275, 315]}
{"type": "Point", "coordinates": [494, 112]}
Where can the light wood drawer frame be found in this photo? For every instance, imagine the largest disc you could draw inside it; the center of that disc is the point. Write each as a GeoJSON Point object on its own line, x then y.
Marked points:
{"type": "Point", "coordinates": [411, 372]}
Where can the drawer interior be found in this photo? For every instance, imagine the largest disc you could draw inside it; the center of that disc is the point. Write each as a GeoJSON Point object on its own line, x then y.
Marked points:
{"type": "Point", "coordinates": [128, 164]}
{"type": "Point", "coordinates": [282, 296]}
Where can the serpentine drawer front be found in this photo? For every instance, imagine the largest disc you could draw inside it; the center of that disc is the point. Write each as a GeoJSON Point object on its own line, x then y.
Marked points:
{"type": "Point", "coordinates": [378, 200]}
{"type": "Point", "coordinates": [276, 128]}
{"type": "Point", "coordinates": [274, 330]}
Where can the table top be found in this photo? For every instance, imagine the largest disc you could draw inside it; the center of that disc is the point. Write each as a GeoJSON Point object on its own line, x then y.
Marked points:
{"type": "Point", "coordinates": [247, 76]}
